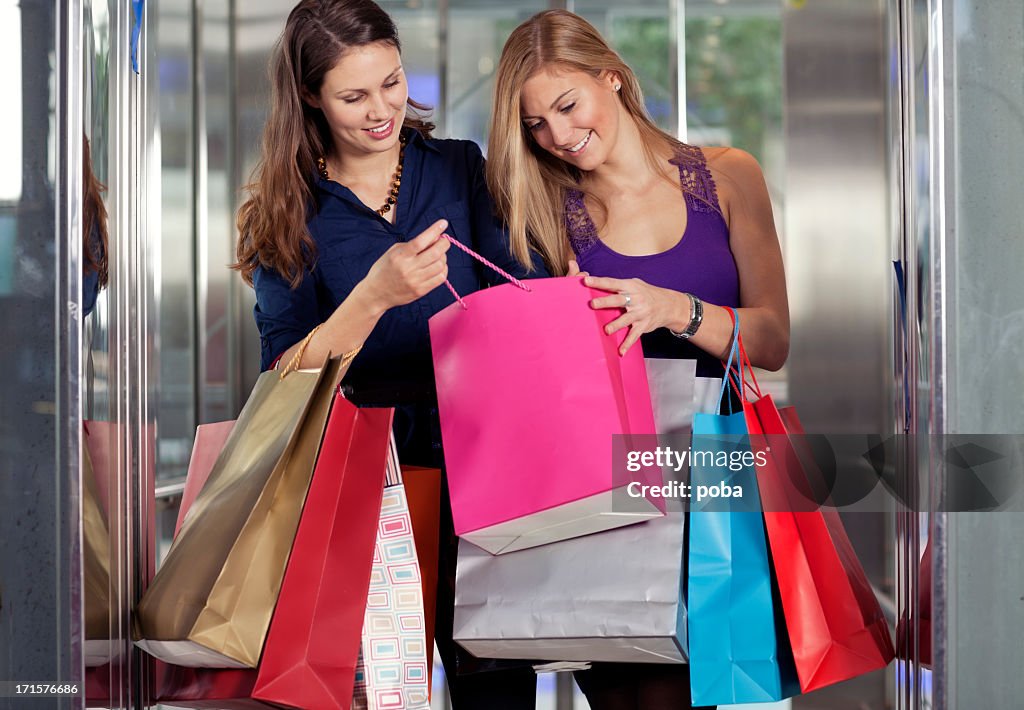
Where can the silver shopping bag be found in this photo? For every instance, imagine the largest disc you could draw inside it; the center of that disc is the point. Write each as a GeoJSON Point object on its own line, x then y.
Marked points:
{"type": "Point", "coordinates": [677, 393]}
{"type": "Point", "coordinates": [611, 596]}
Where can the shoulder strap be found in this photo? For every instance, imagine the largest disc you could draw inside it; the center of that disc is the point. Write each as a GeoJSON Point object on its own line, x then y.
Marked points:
{"type": "Point", "coordinates": [578, 224]}
{"type": "Point", "coordinates": [695, 179]}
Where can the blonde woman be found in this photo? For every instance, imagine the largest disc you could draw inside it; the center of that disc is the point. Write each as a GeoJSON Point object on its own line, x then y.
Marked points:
{"type": "Point", "coordinates": [673, 232]}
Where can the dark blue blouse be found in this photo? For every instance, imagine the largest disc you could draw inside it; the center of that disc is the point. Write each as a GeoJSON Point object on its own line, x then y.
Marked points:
{"type": "Point", "coordinates": [440, 179]}
{"type": "Point", "coordinates": [91, 277]}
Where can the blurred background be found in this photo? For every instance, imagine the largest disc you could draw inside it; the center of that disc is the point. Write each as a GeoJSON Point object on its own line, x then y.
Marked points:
{"type": "Point", "coordinates": [888, 131]}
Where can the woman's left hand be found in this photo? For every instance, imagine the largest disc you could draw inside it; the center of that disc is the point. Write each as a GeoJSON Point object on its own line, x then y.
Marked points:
{"type": "Point", "coordinates": [646, 307]}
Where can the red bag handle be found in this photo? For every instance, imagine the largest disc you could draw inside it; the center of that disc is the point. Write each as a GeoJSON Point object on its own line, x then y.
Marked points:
{"type": "Point", "coordinates": [737, 375]}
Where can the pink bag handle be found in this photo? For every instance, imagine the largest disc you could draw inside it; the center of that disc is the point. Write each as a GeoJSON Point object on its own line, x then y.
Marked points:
{"type": "Point", "coordinates": [483, 261]}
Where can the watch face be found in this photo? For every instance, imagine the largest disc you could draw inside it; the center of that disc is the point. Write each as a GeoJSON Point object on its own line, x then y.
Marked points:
{"type": "Point", "coordinates": [698, 316]}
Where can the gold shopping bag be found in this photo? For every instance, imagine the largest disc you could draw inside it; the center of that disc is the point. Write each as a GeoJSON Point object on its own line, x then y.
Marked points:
{"type": "Point", "coordinates": [211, 601]}
{"type": "Point", "coordinates": [95, 557]}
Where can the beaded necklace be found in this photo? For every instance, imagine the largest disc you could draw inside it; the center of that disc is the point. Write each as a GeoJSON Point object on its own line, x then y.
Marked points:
{"type": "Point", "coordinates": [396, 181]}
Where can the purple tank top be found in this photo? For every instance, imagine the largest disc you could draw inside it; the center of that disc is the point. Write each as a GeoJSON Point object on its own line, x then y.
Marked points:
{"type": "Point", "coordinates": [701, 262]}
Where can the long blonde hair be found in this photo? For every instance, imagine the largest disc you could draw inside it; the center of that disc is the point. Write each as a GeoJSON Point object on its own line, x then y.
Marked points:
{"type": "Point", "coordinates": [528, 183]}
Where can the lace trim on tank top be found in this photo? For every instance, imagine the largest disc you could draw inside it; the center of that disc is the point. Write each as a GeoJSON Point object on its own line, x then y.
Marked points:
{"type": "Point", "coordinates": [578, 224]}
{"type": "Point", "coordinates": [694, 177]}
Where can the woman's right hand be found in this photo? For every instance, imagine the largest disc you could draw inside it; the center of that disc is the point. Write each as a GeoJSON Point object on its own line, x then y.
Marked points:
{"type": "Point", "coordinates": [574, 269]}
{"type": "Point", "coordinates": [409, 270]}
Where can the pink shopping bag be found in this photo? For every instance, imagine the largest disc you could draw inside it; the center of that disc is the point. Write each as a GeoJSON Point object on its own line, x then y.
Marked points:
{"type": "Point", "coordinates": [531, 392]}
{"type": "Point", "coordinates": [210, 440]}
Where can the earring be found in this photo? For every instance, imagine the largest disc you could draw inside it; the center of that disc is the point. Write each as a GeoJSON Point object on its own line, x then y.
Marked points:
{"type": "Point", "coordinates": [618, 86]}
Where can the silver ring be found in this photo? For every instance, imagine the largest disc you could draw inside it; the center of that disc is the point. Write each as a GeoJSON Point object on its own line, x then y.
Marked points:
{"type": "Point", "coordinates": [629, 299]}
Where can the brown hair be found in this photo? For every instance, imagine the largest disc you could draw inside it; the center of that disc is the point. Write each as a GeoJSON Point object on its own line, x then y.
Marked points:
{"type": "Point", "coordinates": [272, 221]}
{"type": "Point", "coordinates": [94, 219]}
{"type": "Point", "coordinates": [528, 183]}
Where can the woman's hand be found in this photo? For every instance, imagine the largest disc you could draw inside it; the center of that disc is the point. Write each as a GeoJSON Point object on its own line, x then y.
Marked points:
{"type": "Point", "coordinates": [402, 274]}
{"type": "Point", "coordinates": [646, 307]}
{"type": "Point", "coordinates": [574, 269]}
{"type": "Point", "coordinates": [409, 270]}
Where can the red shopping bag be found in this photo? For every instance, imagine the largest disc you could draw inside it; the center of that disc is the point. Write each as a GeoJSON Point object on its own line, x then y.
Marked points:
{"type": "Point", "coordinates": [309, 659]}
{"type": "Point", "coordinates": [212, 688]}
{"type": "Point", "coordinates": [915, 625]}
{"type": "Point", "coordinates": [312, 644]}
{"type": "Point", "coordinates": [529, 386]}
{"type": "Point", "coordinates": [834, 621]}
{"type": "Point", "coordinates": [423, 492]}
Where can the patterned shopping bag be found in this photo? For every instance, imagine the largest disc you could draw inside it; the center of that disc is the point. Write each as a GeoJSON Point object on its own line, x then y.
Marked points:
{"type": "Point", "coordinates": [392, 672]}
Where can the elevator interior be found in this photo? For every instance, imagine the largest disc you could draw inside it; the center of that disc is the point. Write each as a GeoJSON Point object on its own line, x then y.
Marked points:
{"type": "Point", "coordinates": [884, 130]}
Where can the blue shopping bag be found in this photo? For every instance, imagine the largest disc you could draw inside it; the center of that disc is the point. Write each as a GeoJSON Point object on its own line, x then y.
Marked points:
{"type": "Point", "coordinates": [737, 654]}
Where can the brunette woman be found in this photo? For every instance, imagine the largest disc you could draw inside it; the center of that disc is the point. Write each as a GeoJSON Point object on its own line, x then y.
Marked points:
{"type": "Point", "coordinates": [341, 237]}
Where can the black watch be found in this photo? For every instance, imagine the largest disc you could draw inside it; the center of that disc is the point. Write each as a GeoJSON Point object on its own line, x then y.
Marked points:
{"type": "Point", "coordinates": [696, 317]}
